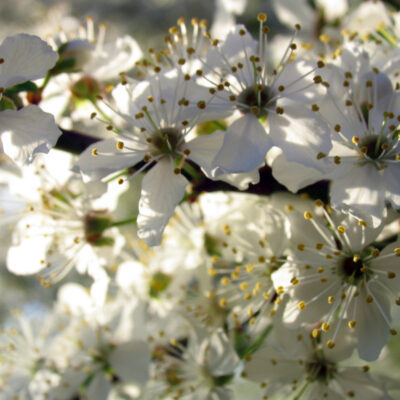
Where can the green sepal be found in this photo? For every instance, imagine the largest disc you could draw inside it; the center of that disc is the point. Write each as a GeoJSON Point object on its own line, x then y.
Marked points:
{"type": "Point", "coordinates": [27, 86]}
{"type": "Point", "coordinates": [65, 65]}
{"type": "Point", "coordinates": [7, 104]}
{"type": "Point", "coordinates": [222, 380]}
{"type": "Point", "coordinates": [103, 241]}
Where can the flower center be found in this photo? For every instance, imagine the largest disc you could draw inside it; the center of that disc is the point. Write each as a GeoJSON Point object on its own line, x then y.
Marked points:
{"type": "Point", "coordinates": [86, 88]}
{"type": "Point", "coordinates": [254, 98]}
{"type": "Point", "coordinates": [373, 146]}
{"type": "Point", "coordinates": [321, 370]}
{"type": "Point", "coordinates": [352, 269]}
{"type": "Point", "coordinates": [95, 224]}
{"type": "Point", "coordinates": [166, 141]}
{"type": "Point", "coordinates": [158, 284]}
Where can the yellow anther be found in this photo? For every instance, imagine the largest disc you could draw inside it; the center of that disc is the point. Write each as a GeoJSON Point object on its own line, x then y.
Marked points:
{"type": "Point", "coordinates": [225, 281]}
{"type": "Point", "coordinates": [301, 246]}
{"type": "Point", "coordinates": [294, 281]}
{"type": "Point", "coordinates": [337, 160]}
{"type": "Point", "coordinates": [201, 104]}
{"type": "Point", "coordinates": [262, 17]}
{"type": "Point", "coordinates": [249, 268]}
{"type": "Point", "coordinates": [243, 286]}
{"type": "Point", "coordinates": [301, 305]}
{"type": "Point", "coordinates": [325, 327]}
{"type": "Point", "coordinates": [369, 299]}
{"type": "Point", "coordinates": [307, 215]}
{"type": "Point", "coordinates": [94, 152]}
{"type": "Point", "coordinates": [352, 324]}
{"type": "Point", "coordinates": [330, 344]}
{"type": "Point", "coordinates": [331, 299]}
{"type": "Point", "coordinates": [315, 333]}
{"type": "Point", "coordinates": [324, 38]}
{"type": "Point", "coordinates": [120, 145]}
{"type": "Point", "coordinates": [341, 229]}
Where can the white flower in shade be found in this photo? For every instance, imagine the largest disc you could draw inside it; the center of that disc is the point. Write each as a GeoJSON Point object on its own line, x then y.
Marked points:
{"type": "Point", "coordinates": [224, 16]}
{"type": "Point", "coordinates": [61, 228]}
{"type": "Point", "coordinates": [161, 113]}
{"type": "Point", "coordinates": [335, 273]}
{"type": "Point", "coordinates": [202, 370]}
{"type": "Point", "coordinates": [268, 100]}
{"type": "Point", "coordinates": [90, 62]}
{"type": "Point", "coordinates": [298, 366]}
{"type": "Point", "coordinates": [259, 242]}
{"type": "Point", "coordinates": [363, 164]}
{"type": "Point", "coordinates": [28, 131]}
{"type": "Point", "coordinates": [367, 18]}
{"type": "Point", "coordinates": [28, 361]}
{"type": "Point", "coordinates": [104, 350]}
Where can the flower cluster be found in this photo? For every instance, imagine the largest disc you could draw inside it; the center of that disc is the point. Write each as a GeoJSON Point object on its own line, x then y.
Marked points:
{"type": "Point", "coordinates": [163, 186]}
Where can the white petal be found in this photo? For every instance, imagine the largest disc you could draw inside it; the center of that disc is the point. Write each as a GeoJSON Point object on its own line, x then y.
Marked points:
{"type": "Point", "coordinates": [291, 174]}
{"type": "Point", "coordinates": [99, 388]}
{"type": "Point", "coordinates": [131, 361]}
{"type": "Point", "coordinates": [241, 181]}
{"type": "Point", "coordinates": [300, 134]}
{"type": "Point", "coordinates": [361, 193]}
{"type": "Point", "coordinates": [371, 328]}
{"type": "Point", "coordinates": [162, 190]}
{"type": "Point", "coordinates": [352, 379]}
{"type": "Point", "coordinates": [27, 132]}
{"type": "Point", "coordinates": [25, 57]}
{"type": "Point", "coordinates": [204, 148]}
{"type": "Point", "coordinates": [109, 158]}
{"type": "Point", "coordinates": [392, 180]}
{"type": "Point", "coordinates": [115, 57]}
{"type": "Point", "coordinates": [221, 357]}
{"type": "Point", "coordinates": [245, 146]}
{"type": "Point", "coordinates": [388, 264]}
{"type": "Point", "coordinates": [298, 82]}
{"type": "Point", "coordinates": [291, 13]}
